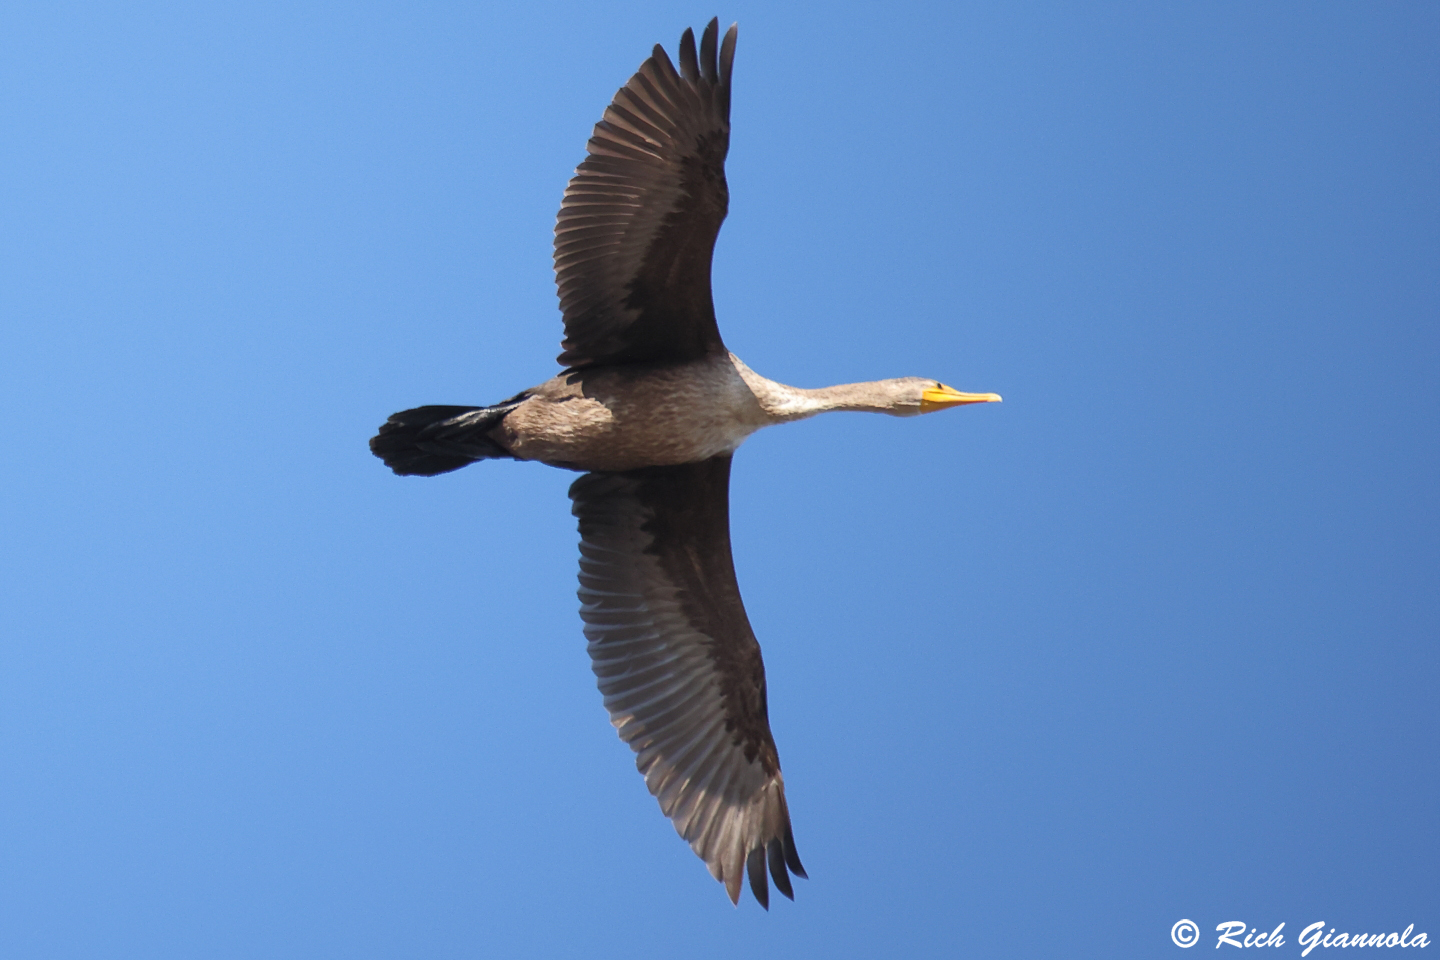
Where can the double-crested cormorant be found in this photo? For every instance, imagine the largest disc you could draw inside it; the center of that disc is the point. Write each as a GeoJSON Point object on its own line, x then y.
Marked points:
{"type": "Point", "coordinates": [652, 406]}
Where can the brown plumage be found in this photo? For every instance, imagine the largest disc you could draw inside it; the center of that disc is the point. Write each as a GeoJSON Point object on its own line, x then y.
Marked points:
{"type": "Point", "coordinates": [637, 226]}
{"type": "Point", "coordinates": [652, 405]}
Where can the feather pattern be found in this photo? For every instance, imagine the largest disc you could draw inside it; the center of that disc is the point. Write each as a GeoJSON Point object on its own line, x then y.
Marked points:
{"type": "Point", "coordinates": [653, 405]}
{"type": "Point", "coordinates": [637, 225]}
{"type": "Point", "coordinates": [680, 668]}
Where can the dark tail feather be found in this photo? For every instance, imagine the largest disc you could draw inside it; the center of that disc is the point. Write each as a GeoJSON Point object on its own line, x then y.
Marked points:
{"type": "Point", "coordinates": [431, 440]}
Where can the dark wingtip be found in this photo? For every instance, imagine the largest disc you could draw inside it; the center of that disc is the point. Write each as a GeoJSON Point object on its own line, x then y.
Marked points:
{"type": "Point", "coordinates": [777, 869]}
{"type": "Point", "coordinates": [727, 54]}
{"type": "Point", "coordinates": [792, 856]}
{"type": "Point", "coordinates": [661, 59]}
{"type": "Point", "coordinates": [707, 50]}
{"type": "Point", "coordinates": [689, 68]}
{"type": "Point", "coordinates": [755, 866]}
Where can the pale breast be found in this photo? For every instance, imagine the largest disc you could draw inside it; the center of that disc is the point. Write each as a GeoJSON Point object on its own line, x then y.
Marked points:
{"type": "Point", "coordinates": [624, 418]}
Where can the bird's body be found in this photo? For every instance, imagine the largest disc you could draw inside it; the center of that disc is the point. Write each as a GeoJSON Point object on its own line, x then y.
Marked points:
{"type": "Point", "coordinates": [652, 406]}
{"type": "Point", "coordinates": [635, 415]}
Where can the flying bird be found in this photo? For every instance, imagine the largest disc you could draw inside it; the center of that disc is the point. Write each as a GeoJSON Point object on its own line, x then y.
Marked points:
{"type": "Point", "coordinates": [651, 406]}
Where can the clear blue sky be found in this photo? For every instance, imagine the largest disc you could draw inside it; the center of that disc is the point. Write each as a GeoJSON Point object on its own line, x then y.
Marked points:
{"type": "Point", "coordinates": [1154, 639]}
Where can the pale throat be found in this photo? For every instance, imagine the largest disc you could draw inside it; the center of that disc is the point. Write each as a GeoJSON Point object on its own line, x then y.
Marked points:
{"type": "Point", "coordinates": [780, 402]}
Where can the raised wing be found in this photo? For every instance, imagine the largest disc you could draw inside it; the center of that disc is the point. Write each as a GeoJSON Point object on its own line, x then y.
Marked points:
{"type": "Point", "coordinates": [679, 665]}
{"type": "Point", "coordinates": [637, 227]}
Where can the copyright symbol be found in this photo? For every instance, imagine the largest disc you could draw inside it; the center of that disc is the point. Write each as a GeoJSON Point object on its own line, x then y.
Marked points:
{"type": "Point", "coordinates": [1185, 933]}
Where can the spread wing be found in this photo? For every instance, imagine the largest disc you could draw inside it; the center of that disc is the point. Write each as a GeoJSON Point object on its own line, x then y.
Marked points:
{"type": "Point", "coordinates": [679, 666]}
{"type": "Point", "coordinates": [637, 227]}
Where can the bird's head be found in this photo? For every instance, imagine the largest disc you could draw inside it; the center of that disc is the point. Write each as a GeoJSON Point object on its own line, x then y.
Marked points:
{"type": "Point", "coordinates": [909, 396]}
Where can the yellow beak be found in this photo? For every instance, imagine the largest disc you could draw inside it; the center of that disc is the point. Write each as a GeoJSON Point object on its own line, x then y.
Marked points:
{"type": "Point", "coordinates": [939, 397]}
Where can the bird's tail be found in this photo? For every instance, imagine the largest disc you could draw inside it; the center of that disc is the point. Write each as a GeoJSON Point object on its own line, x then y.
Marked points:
{"type": "Point", "coordinates": [431, 440]}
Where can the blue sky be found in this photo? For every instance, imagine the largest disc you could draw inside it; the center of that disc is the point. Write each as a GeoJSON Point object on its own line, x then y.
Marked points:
{"type": "Point", "coordinates": [1154, 639]}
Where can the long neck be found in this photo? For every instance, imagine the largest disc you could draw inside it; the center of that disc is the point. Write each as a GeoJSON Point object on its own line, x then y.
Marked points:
{"type": "Point", "coordinates": [783, 403]}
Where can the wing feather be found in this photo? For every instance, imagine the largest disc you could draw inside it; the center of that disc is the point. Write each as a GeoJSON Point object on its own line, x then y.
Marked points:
{"type": "Point", "coordinates": [637, 226]}
{"type": "Point", "coordinates": [678, 665]}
